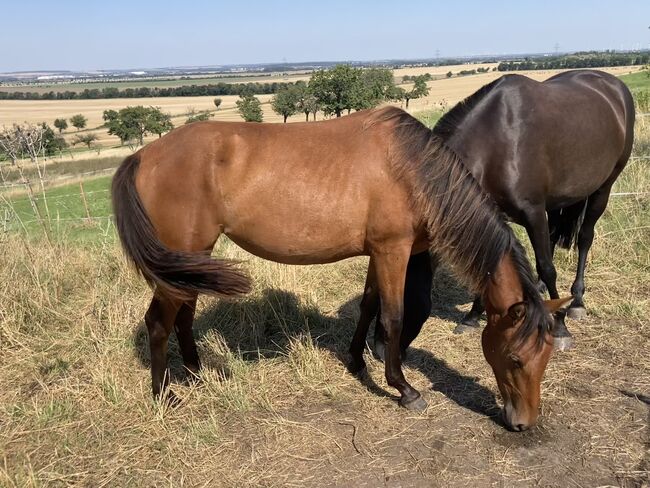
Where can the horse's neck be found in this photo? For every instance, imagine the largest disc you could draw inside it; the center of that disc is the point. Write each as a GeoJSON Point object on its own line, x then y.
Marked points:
{"type": "Point", "coordinates": [504, 286]}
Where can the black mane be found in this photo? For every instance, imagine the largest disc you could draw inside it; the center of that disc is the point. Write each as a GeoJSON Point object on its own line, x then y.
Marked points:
{"type": "Point", "coordinates": [448, 123]}
{"type": "Point", "coordinates": [465, 225]}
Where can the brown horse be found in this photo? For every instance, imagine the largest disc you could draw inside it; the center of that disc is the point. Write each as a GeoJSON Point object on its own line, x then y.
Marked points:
{"type": "Point", "coordinates": [375, 183]}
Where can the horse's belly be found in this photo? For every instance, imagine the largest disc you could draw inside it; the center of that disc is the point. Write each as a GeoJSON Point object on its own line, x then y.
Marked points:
{"type": "Point", "coordinates": [302, 248]}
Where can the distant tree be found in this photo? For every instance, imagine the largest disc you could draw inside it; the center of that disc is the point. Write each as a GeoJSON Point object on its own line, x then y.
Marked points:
{"type": "Point", "coordinates": [197, 116]}
{"type": "Point", "coordinates": [335, 89]}
{"type": "Point", "coordinates": [133, 123]}
{"type": "Point", "coordinates": [158, 122]}
{"type": "Point", "coordinates": [449, 74]}
{"type": "Point", "coordinates": [285, 102]}
{"type": "Point", "coordinates": [60, 124]}
{"type": "Point", "coordinates": [305, 100]}
{"type": "Point", "coordinates": [52, 143]}
{"type": "Point", "coordinates": [420, 89]}
{"type": "Point", "coordinates": [217, 102]}
{"type": "Point", "coordinates": [86, 139]}
{"type": "Point", "coordinates": [397, 94]}
{"type": "Point", "coordinates": [78, 121]}
{"type": "Point", "coordinates": [10, 143]}
{"type": "Point", "coordinates": [372, 87]}
{"type": "Point", "coordinates": [250, 108]}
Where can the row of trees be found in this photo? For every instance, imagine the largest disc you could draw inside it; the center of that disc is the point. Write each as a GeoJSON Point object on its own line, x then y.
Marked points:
{"type": "Point", "coordinates": [217, 89]}
{"type": "Point", "coordinates": [345, 88]}
{"type": "Point", "coordinates": [579, 60]}
{"type": "Point", "coordinates": [78, 121]}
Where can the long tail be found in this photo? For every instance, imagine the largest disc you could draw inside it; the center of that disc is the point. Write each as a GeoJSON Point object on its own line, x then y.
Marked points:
{"type": "Point", "coordinates": [181, 274]}
{"type": "Point", "coordinates": [565, 224]}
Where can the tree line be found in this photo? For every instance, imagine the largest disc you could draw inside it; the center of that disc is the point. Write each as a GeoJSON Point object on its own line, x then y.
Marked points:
{"type": "Point", "coordinates": [578, 60]}
{"type": "Point", "coordinates": [217, 89]}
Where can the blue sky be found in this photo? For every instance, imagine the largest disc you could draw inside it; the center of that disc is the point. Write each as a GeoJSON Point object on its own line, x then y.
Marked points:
{"type": "Point", "coordinates": [65, 34]}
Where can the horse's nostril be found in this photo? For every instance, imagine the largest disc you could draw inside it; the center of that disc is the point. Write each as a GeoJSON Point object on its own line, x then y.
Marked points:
{"type": "Point", "coordinates": [521, 427]}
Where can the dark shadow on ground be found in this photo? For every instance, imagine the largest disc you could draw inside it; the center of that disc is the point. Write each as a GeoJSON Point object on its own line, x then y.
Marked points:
{"type": "Point", "coordinates": [262, 327]}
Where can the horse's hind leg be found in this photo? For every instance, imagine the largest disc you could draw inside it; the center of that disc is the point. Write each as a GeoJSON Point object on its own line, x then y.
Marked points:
{"type": "Point", "coordinates": [369, 306]}
{"type": "Point", "coordinates": [596, 205]}
{"type": "Point", "coordinates": [390, 267]}
{"type": "Point", "coordinates": [160, 318]}
{"type": "Point", "coordinates": [186, 342]}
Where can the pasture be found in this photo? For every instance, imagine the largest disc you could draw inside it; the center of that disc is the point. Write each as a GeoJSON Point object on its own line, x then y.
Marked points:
{"type": "Point", "coordinates": [275, 405]}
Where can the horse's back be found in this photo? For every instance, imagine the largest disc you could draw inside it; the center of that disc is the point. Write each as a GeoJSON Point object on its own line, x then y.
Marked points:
{"type": "Point", "coordinates": [553, 142]}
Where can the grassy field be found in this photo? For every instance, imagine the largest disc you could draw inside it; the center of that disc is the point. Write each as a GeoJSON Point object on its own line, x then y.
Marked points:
{"type": "Point", "coordinates": [275, 405]}
{"type": "Point", "coordinates": [637, 81]}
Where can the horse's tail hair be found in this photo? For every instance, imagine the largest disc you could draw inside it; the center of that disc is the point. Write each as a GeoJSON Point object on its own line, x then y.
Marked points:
{"type": "Point", "coordinates": [180, 274]}
{"type": "Point", "coordinates": [564, 224]}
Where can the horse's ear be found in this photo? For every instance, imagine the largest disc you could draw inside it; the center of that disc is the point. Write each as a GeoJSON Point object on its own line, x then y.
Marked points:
{"type": "Point", "coordinates": [517, 311]}
{"type": "Point", "coordinates": [556, 304]}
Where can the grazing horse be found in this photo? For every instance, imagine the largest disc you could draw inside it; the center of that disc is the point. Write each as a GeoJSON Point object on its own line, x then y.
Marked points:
{"type": "Point", "coordinates": [548, 154]}
{"type": "Point", "coordinates": [376, 183]}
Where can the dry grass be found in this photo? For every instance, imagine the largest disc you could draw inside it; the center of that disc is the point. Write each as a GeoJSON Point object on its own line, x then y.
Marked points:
{"type": "Point", "coordinates": [275, 405]}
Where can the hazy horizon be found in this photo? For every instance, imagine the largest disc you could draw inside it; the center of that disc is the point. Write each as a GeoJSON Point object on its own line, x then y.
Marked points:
{"type": "Point", "coordinates": [74, 35]}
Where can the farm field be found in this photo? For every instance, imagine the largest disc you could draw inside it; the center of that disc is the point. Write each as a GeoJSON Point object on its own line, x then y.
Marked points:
{"type": "Point", "coordinates": [443, 92]}
{"type": "Point", "coordinates": [221, 78]}
{"type": "Point", "coordinates": [160, 83]}
{"type": "Point", "coordinates": [275, 405]}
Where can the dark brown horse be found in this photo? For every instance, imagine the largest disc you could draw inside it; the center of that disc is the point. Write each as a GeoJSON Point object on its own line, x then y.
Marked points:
{"type": "Point", "coordinates": [548, 154]}
{"type": "Point", "coordinates": [375, 183]}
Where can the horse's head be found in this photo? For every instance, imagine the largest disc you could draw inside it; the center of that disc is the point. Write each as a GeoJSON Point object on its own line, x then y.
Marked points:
{"type": "Point", "coordinates": [513, 347]}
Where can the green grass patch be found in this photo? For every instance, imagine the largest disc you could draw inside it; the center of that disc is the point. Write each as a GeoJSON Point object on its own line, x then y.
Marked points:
{"type": "Point", "coordinates": [68, 216]}
{"type": "Point", "coordinates": [429, 117]}
{"type": "Point", "coordinates": [637, 81]}
{"type": "Point", "coordinates": [55, 169]}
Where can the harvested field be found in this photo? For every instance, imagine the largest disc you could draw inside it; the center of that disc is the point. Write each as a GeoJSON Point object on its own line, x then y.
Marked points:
{"type": "Point", "coordinates": [443, 93]}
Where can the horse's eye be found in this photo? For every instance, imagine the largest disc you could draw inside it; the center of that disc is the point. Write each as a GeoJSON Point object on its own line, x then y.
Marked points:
{"type": "Point", "coordinates": [515, 360]}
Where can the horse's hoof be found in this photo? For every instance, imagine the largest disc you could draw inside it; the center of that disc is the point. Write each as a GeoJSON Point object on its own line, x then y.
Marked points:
{"type": "Point", "coordinates": [418, 404]}
{"type": "Point", "coordinates": [467, 326]}
{"type": "Point", "coordinates": [563, 344]}
{"type": "Point", "coordinates": [577, 313]}
{"type": "Point", "coordinates": [356, 367]}
{"type": "Point", "coordinates": [379, 351]}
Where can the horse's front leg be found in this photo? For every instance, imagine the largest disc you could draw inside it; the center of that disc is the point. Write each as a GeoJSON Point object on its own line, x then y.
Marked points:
{"type": "Point", "coordinates": [390, 268]}
{"type": "Point", "coordinates": [537, 228]}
